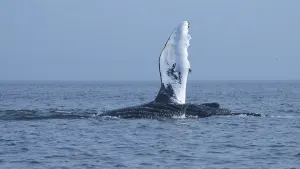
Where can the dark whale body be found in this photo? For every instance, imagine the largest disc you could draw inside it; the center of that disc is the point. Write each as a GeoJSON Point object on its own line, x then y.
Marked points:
{"type": "Point", "coordinates": [156, 110]}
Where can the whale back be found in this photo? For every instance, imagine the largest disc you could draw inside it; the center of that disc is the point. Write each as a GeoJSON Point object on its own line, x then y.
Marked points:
{"type": "Point", "coordinates": [174, 66]}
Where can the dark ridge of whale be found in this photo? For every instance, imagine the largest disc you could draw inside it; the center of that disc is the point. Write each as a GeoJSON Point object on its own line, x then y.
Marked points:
{"type": "Point", "coordinates": [170, 101]}
{"type": "Point", "coordinates": [156, 110]}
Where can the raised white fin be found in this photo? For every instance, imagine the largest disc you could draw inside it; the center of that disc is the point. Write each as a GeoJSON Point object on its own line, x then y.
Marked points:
{"type": "Point", "coordinates": [174, 66]}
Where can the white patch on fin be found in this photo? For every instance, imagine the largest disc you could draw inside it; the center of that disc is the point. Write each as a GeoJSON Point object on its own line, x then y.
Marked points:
{"type": "Point", "coordinates": [174, 66]}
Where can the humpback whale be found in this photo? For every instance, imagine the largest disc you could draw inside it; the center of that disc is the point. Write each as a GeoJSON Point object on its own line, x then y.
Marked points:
{"type": "Point", "coordinates": [174, 68]}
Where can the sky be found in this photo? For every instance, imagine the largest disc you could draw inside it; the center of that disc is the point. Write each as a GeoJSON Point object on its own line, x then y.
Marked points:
{"type": "Point", "coordinates": [122, 40]}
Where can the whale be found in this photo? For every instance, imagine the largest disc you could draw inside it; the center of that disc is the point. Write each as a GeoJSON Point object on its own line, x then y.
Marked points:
{"type": "Point", "coordinates": [174, 68]}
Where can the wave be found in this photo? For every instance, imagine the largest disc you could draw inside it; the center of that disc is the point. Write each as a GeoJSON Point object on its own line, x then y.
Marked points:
{"type": "Point", "coordinates": [37, 114]}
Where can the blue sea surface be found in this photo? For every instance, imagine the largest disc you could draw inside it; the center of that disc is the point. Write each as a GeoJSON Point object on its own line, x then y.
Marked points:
{"type": "Point", "coordinates": [55, 125]}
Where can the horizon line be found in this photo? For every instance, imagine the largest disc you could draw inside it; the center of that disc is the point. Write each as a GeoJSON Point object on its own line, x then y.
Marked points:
{"type": "Point", "coordinates": [136, 80]}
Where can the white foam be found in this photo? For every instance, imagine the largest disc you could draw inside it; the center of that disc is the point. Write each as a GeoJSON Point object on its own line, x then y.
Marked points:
{"type": "Point", "coordinates": [176, 52]}
{"type": "Point", "coordinates": [182, 116]}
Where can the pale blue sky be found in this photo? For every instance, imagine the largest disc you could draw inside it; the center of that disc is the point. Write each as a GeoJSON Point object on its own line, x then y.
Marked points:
{"type": "Point", "coordinates": [122, 40]}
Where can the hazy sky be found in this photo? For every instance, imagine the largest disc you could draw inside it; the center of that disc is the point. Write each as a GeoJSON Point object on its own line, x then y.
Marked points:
{"type": "Point", "coordinates": [122, 40]}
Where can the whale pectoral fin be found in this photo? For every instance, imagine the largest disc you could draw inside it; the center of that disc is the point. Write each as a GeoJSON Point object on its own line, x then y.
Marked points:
{"type": "Point", "coordinates": [174, 66]}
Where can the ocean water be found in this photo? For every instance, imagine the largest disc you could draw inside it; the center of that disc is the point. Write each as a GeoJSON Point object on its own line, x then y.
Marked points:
{"type": "Point", "coordinates": [55, 125]}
